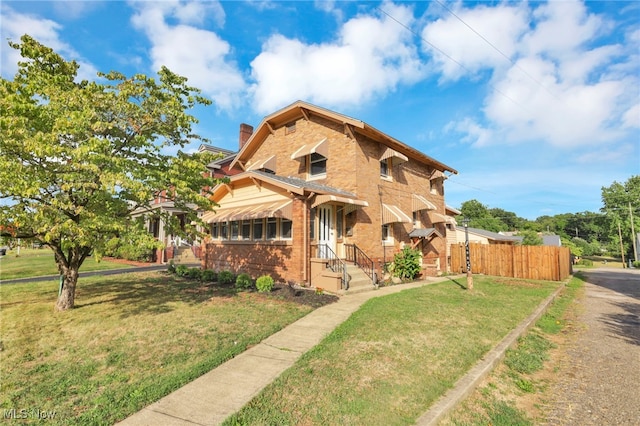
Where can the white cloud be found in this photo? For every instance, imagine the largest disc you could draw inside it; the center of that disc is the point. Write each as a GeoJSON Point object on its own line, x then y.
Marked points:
{"type": "Point", "coordinates": [501, 25]}
{"type": "Point", "coordinates": [370, 57]}
{"type": "Point", "coordinates": [15, 25]}
{"type": "Point", "coordinates": [198, 54]}
{"type": "Point", "coordinates": [563, 84]}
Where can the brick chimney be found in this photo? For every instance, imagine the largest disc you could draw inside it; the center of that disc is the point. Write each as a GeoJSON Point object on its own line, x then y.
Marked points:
{"type": "Point", "coordinates": [245, 133]}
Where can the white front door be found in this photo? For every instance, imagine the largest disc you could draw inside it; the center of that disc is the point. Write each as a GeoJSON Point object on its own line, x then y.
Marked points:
{"type": "Point", "coordinates": [326, 233]}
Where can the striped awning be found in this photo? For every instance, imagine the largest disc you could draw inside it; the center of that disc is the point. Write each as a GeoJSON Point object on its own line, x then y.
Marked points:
{"type": "Point", "coordinates": [440, 218]}
{"type": "Point", "coordinates": [268, 163]}
{"type": "Point", "coordinates": [321, 148]}
{"type": "Point", "coordinates": [350, 203]}
{"type": "Point", "coordinates": [392, 214]}
{"type": "Point", "coordinates": [437, 174]}
{"type": "Point", "coordinates": [282, 209]}
{"type": "Point", "coordinates": [421, 203]}
{"type": "Point", "coordinates": [395, 156]}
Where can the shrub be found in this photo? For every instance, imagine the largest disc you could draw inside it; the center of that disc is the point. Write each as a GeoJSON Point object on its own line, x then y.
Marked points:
{"type": "Point", "coordinates": [171, 268]}
{"type": "Point", "coordinates": [585, 262]}
{"type": "Point", "coordinates": [226, 277]}
{"type": "Point", "coordinates": [406, 264]}
{"type": "Point", "coordinates": [194, 273]}
{"type": "Point", "coordinates": [244, 282]}
{"type": "Point", "coordinates": [208, 275]}
{"type": "Point", "coordinates": [264, 284]}
{"type": "Point", "coordinates": [182, 270]}
{"type": "Point", "coordinates": [636, 264]}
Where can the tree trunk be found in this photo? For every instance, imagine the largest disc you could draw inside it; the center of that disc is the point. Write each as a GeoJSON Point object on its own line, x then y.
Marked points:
{"type": "Point", "coordinates": [66, 299]}
{"type": "Point", "coordinates": [69, 267]}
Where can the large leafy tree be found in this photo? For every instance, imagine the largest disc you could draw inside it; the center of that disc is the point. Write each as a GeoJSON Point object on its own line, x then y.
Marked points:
{"type": "Point", "coordinates": [78, 157]}
{"type": "Point", "coordinates": [622, 204]}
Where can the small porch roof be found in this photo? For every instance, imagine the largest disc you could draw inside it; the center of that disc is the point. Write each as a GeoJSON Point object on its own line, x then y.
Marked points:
{"type": "Point", "coordinates": [424, 233]}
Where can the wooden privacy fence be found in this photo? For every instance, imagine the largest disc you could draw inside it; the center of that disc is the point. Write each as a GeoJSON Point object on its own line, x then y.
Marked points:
{"type": "Point", "coordinates": [530, 262]}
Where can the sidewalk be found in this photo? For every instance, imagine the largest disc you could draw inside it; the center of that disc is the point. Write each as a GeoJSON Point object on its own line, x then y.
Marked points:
{"type": "Point", "coordinates": [154, 267]}
{"type": "Point", "coordinates": [216, 395]}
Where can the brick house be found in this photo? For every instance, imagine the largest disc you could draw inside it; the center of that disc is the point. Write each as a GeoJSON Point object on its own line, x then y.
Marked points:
{"type": "Point", "coordinates": [323, 199]}
{"type": "Point", "coordinates": [174, 246]}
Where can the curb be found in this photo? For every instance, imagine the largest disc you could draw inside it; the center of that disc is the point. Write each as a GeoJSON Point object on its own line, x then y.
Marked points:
{"type": "Point", "coordinates": [465, 385]}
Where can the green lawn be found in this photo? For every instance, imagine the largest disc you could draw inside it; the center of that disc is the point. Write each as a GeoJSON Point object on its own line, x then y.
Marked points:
{"type": "Point", "coordinates": [130, 340]}
{"type": "Point", "coordinates": [39, 262]}
{"type": "Point", "coordinates": [394, 357]}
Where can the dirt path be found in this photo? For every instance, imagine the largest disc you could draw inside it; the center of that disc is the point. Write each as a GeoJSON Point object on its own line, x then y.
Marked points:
{"type": "Point", "coordinates": [598, 380]}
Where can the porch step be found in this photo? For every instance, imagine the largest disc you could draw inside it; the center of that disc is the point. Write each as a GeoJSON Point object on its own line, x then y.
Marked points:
{"type": "Point", "coordinates": [184, 255]}
{"type": "Point", "coordinates": [359, 281]}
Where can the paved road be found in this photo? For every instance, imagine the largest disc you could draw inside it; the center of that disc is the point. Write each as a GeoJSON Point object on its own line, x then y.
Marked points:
{"type": "Point", "coordinates": [599, 379]}
{"type": "Point", "coordinates": [88, 274]}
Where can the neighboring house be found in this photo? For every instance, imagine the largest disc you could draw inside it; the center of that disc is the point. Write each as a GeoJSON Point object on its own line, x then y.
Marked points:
{"type": "Point", "coordinates": [321, 191]}
{"type": "Point", "coordinates": [551, 240]}
{"type": "Point", "coordinates": [482, 236]}
{"type": "Point", "coordinates": [174, 245]}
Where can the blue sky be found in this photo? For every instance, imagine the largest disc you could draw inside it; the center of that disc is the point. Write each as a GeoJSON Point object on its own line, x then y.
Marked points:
{"type": "Point", "coordinates": [537, 104]}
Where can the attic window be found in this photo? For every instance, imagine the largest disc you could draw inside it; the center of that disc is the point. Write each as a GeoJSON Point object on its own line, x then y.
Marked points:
{"type": "Point", "coordinates": [290, 128]}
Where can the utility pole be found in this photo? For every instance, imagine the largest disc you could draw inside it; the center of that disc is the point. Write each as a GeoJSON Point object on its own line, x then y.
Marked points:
{"type": "Point", "coordinates": [621, 246]}
{"type": "Point", "coordinates": [633, 235]}
{"type": "Point", "coordinates": [465, 222]}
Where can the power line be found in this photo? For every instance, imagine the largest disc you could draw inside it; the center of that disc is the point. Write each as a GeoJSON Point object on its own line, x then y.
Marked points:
{"type": "Point", "coordinates": [496, 49]}
{"type": "Point", "coordinates": [453, 60]}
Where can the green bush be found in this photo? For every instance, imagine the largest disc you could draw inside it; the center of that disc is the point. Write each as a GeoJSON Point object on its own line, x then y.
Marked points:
{"type": "Point", "coordinates": [182, 270]}
{"type": "Point", "coordinates": [171, 268]}
{"type": "Point", "coordinates": [226, 277]}
{"type": "Point", "coordinates": [636, 264]}
{"type": "Point", "coordinates": [208, 275]}
{"type": "Point", "coordinates": [194, 273]}
{"type": "Point", "coordinates": [406, 264]}
{"type": "Point", "coordinates": [264, 284]}
{"type": "Point", "coordinates": [244, 282]}
{"type": "Point", "coordinates": [585, 262]}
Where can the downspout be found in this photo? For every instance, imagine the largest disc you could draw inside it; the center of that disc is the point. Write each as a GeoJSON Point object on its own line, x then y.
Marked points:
{"type": "Point", "coordinates": [306, 242]}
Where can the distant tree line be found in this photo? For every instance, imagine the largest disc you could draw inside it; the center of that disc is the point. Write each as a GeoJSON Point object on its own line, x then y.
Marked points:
{"type": "Point", "coordinates": [585, 233]}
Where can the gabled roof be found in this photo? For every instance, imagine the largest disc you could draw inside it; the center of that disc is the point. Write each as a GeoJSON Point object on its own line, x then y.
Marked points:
{"type": "Point", "coordinates": [302, 109]}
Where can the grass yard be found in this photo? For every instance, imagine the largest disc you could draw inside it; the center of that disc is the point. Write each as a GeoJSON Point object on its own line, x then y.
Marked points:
{"type": "Point", "coordinates": [130, 340]}
{"type": "Point", "coordinates": [514, 393]}
{"type": "Point", "coordinates": [39, 262]}
{"type": "Point", "coordinates": [394, 357]}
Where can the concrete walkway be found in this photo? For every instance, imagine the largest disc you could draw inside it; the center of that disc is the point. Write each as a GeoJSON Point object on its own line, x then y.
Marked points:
{"type": "Point", "coordinates": [216, 395]}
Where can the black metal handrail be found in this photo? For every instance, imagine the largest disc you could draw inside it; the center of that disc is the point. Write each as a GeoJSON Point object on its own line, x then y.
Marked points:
{"type": "Point", "coordinates": [334, 263]}
{"type": "Point", "coordinates": [360, 259]}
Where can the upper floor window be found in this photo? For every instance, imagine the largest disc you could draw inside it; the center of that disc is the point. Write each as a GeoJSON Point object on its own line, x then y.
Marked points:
{"type": "Point", "coordinates": [384, 168]}
{"type": "Point", "coordinates": [317, 165]}
{"type": "Point", "coordinates": [290, 128]}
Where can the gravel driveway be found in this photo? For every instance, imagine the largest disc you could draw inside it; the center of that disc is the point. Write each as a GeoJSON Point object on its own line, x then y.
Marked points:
{"type": "Point", "coordinates": [598, 382]}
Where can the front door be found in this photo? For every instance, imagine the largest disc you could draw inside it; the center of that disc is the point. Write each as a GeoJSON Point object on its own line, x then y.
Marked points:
{"type": "Point", "coordinates": [326, 233]}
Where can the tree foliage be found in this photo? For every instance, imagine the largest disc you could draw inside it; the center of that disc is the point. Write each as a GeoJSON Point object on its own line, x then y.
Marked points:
{"type": "Point", "coordinates": [78, 157]}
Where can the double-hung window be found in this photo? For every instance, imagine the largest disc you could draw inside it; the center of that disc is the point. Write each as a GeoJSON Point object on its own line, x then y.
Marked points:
{"type": "Point", "coordinates": [317, 165]}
